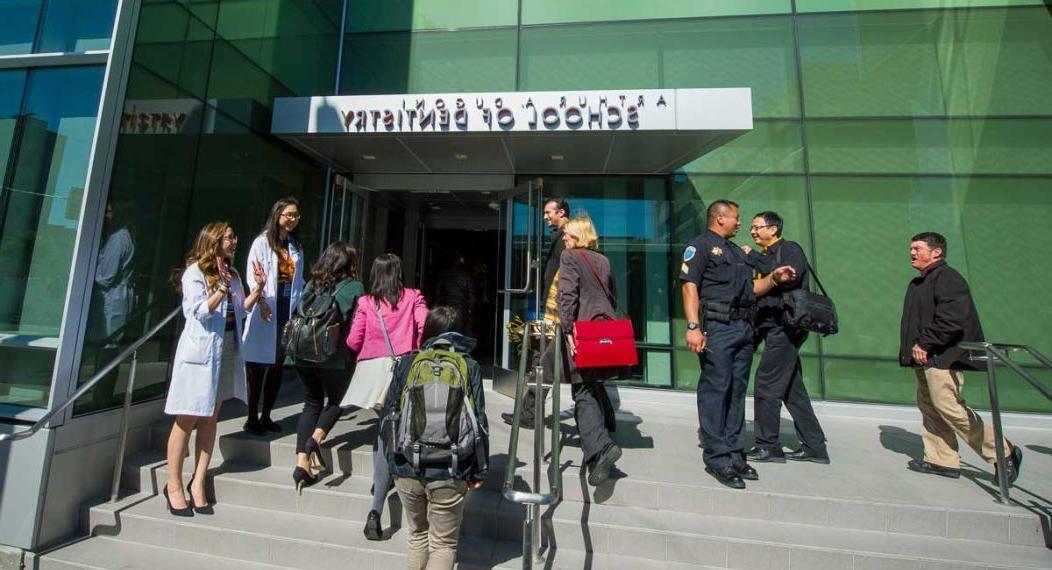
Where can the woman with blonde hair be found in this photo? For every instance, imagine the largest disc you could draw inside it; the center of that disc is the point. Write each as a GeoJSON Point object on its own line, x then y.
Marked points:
{"type": "Point", "coordinates": [208, 366]}
{"type": "Point", "coordinates": [586, 292]}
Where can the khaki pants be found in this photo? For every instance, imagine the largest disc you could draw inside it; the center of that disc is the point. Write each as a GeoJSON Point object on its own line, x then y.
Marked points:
{"type": "Point", "coordinates": [433, 510]}
{"type": "Point", "coordinates": [946, 415]}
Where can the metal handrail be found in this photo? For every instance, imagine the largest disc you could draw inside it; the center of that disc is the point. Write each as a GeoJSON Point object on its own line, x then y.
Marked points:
{"type": "Point", "coordinates": [133, 352]}
{"type": "Point", "coordinates": [532, 527]}
{"type": "Point", "coordinates": [992, 353]}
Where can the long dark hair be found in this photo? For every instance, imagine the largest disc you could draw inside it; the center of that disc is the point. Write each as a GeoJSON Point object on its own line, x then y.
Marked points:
{"type": "Point", "coordinates": [441, 319]}
{"type": "Point", "coordinates": [339, 261]}
{"type": "Point", "coordinates": [272, 230]}
{"type": "Point", "coordinates": [385, 279]}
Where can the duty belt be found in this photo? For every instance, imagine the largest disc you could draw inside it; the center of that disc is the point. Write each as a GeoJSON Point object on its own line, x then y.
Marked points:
{"type": "Point", "coordinates": [725, 312]}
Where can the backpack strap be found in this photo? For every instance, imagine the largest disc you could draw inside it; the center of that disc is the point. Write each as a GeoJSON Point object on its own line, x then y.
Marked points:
{"type": "Point", "coordinates": [383, 327]}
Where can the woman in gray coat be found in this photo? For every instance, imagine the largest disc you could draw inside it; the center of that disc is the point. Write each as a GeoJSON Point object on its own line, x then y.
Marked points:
{"type": "Point", "coordinates": [587, 292]}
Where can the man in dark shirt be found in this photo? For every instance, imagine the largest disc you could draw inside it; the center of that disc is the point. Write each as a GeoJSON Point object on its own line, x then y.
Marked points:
{"type": "Point", "coordinates": [779, 376]}
{"type": "Point", "coordinates": [937, 315]}
{"type": "Point", "coordinates": [719, 297]}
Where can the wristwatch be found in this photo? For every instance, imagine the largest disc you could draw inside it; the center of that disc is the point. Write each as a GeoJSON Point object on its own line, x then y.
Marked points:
{"type": "Point", "coordinates": [693, 326]}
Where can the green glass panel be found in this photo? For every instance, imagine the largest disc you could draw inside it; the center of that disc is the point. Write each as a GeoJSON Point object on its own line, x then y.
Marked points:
{"type": "Point", "coordinates": [981, 146]}
{"type": "Point", "coordinates": [11, 86]}
{"type": "Point", "coordinates": [860, 5]}
{"type": "Point", "coordinates": [20, 25]}
{"type": "Point", "coordinates": [872, 219]}
{"type": "Point", "coordinates": [771, 147]}
{"type": "Point", "coordinates": [77, 25]}
{"type": "Point", "coordinates": [753, 52]}
{"type": "Point", "coordinates": [990, 62]}
{"type": "Point", "coordinates": [429, 62]}
{"type": "Point", "coordinates": [402, 15]}
{"type": "Point", "coordinates": [869, 380]}
{"type": "Point", "coordinates": [560, 11]}
{"type": "Point", "coordinates": [253, 19]}
{"type": "Point", "coordinates": [41, 208]}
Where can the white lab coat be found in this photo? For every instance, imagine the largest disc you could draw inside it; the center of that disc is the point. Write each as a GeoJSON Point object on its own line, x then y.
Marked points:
{"type": "Point", "coordinates": [195, 368]}
{"type": "Point", "coordinates": [261, 338]}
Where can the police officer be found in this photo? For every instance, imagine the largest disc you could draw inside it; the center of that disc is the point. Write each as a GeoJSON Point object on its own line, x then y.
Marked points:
{"type": "Point", "coordinates": [779, 375]}
{"type": "Point", "coordinates": [719, 298]}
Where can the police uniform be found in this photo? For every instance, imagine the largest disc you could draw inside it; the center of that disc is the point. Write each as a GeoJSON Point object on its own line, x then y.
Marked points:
{"type": "Point", "coordinates": [779, 376]}
{"type": "Point", "coordinates": [723, 274]}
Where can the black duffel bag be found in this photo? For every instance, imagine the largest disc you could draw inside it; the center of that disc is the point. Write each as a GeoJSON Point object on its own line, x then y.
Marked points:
{"type": "Point", "coordinates": [810, 311]}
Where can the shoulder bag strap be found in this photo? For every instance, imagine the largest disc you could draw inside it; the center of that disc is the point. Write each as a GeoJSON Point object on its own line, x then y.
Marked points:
{"type": "Point", "coordinates": [383, 327]}
{"type": "Point", "coordinates": [613, 301]}
{"type": "Point", "coordinates": [815, 275]}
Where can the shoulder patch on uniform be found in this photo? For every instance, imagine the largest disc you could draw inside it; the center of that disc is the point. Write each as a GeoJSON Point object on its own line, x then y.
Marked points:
{"type": "Point", "coordinates": [684, 269]}
{"type": "Point", "coordinates": [688, 254]}
{"type": "Point", "coordinates": [717, 250]}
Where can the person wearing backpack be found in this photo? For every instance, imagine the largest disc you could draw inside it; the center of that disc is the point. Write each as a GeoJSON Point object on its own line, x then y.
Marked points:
{"type": "Point", "coordinates": [434, 460]}
{"type": "Point", "coordinates": [315, 344]}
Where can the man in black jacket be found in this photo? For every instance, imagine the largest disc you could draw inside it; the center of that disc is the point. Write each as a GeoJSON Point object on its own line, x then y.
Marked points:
{"type": "Point", "coordinates": [779, 375]}
{"type": "Point", "coordinates": [937, 315]}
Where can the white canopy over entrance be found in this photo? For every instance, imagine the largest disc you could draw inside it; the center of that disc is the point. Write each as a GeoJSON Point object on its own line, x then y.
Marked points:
{"type": "Point", "coordinates": [630, 131]}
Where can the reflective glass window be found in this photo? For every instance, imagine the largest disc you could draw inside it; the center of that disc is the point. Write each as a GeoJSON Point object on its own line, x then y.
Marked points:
{"type": "Point", "coordinates": [402, 15]}
{"type": "Point", "coordinates": [860, 5]}
{"type": "Point", "coordinates": [732, 52]}
{"type": "Point", "coordinates": [77, 25]}
{"type": "Point", "coordinates": [771, 147]}
{"type": "Point", "coordinates": [559, 11]}
{"type": "Point", "coordinates": [429, 62]}
{"type": "Point", "coordinates": [19, 27]}
{"type": "Point", "coordinates": [40, 205]}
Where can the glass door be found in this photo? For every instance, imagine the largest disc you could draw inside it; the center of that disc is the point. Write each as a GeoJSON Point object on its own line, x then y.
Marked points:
{"type": "Point", "coordinates": [523, 270]}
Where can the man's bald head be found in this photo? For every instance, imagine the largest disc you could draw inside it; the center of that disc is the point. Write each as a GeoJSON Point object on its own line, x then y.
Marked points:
{"type": "Point", "coordinates": [722, 218]}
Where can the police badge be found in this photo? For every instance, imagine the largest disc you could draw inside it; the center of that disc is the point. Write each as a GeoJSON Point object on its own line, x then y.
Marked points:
{"type": "Point", "coordinates": [717, 250]}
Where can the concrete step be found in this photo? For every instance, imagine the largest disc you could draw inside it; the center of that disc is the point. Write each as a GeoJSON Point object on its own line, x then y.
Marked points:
{"type": "Point", "coordinates": [255, 537]}
{"type": "Point", "coordinates": [674, 481]}
{"type": "Point", "coordinates": [103, 552]}
{"type": "Point", "coordinates": [656, 534]}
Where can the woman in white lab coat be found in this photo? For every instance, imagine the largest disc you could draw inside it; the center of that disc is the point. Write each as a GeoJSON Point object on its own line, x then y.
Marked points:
{"type": "Point", "coordinates": [279, 252]}
{"type": "Point", "coordinates": [208, 366]}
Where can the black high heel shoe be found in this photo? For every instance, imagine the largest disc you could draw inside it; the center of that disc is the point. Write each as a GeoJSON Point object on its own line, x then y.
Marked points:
{"type": "Point", "coordinates": [373, 529]}
{"type": "Point", "coordinates": [302, 478]}
{"type": "Point", "coordinates": [183, 512]}
{"type": "Point", "coordinates": [317, 462]}
{"type": "Point", "coordinates": [206, 509]}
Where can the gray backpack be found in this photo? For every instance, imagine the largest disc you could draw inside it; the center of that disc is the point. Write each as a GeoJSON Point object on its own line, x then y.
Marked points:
{"type": "Point", "coordinates": [436, 421]}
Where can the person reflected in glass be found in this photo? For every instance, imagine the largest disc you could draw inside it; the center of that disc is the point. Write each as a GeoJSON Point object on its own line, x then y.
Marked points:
{"type": "Point", "coordinates": [388, 323]}
{"type": "Point", "coordinates": [208, 366]}
{"type": "Point", "coordinates": [587, 291]}
{"type": "Point", "coordinates": [334, 283]}
{"type": "Point", "coordinates": [277, 249]}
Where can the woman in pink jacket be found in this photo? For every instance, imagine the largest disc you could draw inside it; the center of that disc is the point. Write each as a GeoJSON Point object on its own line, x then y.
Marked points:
{"type": "Point", "coordinates": [387, 324]}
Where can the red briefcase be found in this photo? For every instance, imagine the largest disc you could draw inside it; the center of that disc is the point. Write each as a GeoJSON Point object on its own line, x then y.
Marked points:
{"type": "Point", "coordinates": [604, 343]}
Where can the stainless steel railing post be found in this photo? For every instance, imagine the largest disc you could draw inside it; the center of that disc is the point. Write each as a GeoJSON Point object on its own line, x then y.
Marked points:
{"type": "Point", "coordinates": [995, 411]}
{"type": "Point", "coordinates": [122, 436]}
{"type": "Point", "coordinates": [538, 440]}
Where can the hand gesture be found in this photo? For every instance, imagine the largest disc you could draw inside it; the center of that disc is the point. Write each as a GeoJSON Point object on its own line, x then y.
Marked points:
{"type": "Point", "coordinates": [696, 340]}
{"type": "Point", "coordinates": [259, 275]}
{"type": "Point", "coordinates": [784, 274]}
{"type": "Point", "coordinates": [571, 346]}
{"type": "Point", "coordinates": [920, 356]}
{"type": "Point", "coordinates": [474, 485]}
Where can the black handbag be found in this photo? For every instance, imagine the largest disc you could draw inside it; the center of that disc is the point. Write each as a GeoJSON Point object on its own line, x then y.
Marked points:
{"type": "Point", "coordinates": [809, 311]}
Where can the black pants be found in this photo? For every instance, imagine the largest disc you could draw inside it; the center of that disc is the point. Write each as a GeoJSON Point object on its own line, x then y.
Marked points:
{"type": "Point", "coordinates": [594, 415]}
{"type": "Point", "coordinates": [725, 364]}
{"type": "Point", "coordinates": [780, 378]}
{"type": "Point", "coordinates": [265, 379]}
{"type": "Point", "coordinates": [323, 390]}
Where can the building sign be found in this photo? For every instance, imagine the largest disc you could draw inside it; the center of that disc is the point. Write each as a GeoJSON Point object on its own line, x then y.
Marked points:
{"type": "Point", "coordinates": [542, 111]}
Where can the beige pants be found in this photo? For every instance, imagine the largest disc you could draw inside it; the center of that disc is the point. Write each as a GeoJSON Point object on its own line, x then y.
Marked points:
{"type": "Point", "coordinates": [433, 510]}
{"type": "Point", "coordinates": [946, 416]}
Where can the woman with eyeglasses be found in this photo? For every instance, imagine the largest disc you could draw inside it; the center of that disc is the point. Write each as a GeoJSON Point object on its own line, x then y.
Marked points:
{"type": "Point", "coordinates": [208, 366]}
{"type": "Point", "coordinates": [279, 252]}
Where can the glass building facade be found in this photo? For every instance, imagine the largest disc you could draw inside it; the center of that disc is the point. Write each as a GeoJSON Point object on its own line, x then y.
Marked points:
{"type": "Point", "coordinates": [874, 120]}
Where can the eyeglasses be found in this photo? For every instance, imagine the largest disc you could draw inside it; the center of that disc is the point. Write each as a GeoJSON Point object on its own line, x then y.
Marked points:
{"type": "Point", "coordinates": [292, 217]}
{"type": "Point", "coordinates": [760, 227]}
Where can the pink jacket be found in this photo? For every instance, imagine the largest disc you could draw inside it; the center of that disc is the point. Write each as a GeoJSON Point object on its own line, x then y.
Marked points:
{"type": "Point", "coordinates": [404, 325]}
